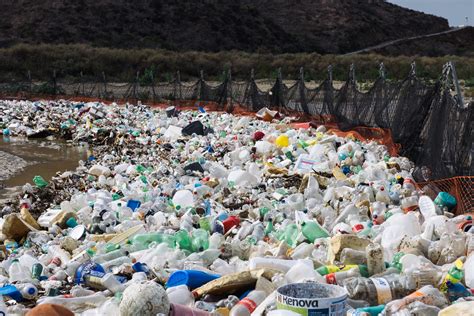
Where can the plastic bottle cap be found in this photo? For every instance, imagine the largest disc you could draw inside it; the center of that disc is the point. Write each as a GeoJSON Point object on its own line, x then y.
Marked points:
{"type": "Point", "coordinates": [71, 222]}
{"type": "Point", "coordinates": [77, 232]}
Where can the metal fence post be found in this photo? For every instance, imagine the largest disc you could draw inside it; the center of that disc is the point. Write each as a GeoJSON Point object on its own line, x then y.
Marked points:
{"type": "Point", "coordinates": [153, 85]}
{"type": "Point", "coordinates": [105, 85]}
{"type": "Point", "coordinates": [30, 84]}
{"type": "Point", "coordinates": [459, 96]}
{"type": "Point", "coordinates": [55, 85]}
{"type": "Point", "coordinates": [382, 71]}
{"type": "Point", "coordinates": [230, 92]}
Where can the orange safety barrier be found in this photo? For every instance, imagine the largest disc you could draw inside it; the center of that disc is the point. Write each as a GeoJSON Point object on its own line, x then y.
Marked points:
{"type": "Point", "coordinates": [379, 135]}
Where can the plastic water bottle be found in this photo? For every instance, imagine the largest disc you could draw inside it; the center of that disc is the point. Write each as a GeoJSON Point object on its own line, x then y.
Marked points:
{"type": "Point", "coordinates": [142, 241]}
{"type": "Point", "coordinates": [427, 295]}
{"type": "Point", "coordinates": [338, 277]}
{"type": "Point", "coordinates": [183, 199]}
{"type": "Point", "coordinates": [469, 271]}
{"type": "Point", "coordinates": [312, 231]}
{"type": "Point", "coordinates": [57, 251]}
{"type": "Point", "coordinates": [200, 240]}
{"type": "Point", "coordinates": [377, 291]}
{"type": "Point", "coordinates": [110, 256]}
{"type": "Point", "coordinates": [375, 262]}
{"type": "Point", "coordinates": [246, 306]}
{"type": "Point", "coordinates": [290, 234]}
{"type": "Point", "coordinates": [112, 283]}
{"type": "Point", "coordinates": [17, 273]}
{"type": "Point", "coordinates": [352, 256]}
{"type": "Point", "coordinates": [183, 240]}
{"type": "Point", "coordinates": [180, 295]}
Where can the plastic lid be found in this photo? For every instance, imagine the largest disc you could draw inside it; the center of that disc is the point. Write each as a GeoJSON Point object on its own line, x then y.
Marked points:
{"type": "Point", "coordinates": [426, 205]}
{"type": "Point", "coordinates": [31, 290]}
{"type": "Point", "coordinates": [77, 232]}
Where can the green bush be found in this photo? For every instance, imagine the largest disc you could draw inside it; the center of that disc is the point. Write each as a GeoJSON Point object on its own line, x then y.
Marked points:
{"type": "Point", "coordinates": [121, 65]}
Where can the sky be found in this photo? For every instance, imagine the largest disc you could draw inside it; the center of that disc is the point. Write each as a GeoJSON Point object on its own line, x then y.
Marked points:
{"type": "Point", "coordinates": [453, 10]}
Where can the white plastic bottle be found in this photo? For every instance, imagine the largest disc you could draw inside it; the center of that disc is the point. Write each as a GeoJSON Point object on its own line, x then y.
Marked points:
{"type": "Point", "coordinates": [27, 290]}
{"type": "Point", "coordinates": [375, 260]}
{"type": "Point", "coordinates": [17, 273]}
{"type": "Point", "coordinates": [246, 306]}
{"type": "Point", "coordinates": [111, 283]}
{"type": "Point", "coordinates": [469, 271]}
{"type": "Point", "coordinates": [57, 251]}
{"type": "Point", "coordinates": [382, 195]}
{"type": "Point", "coordinates": [27, 261]}
{"type": "Point", "coordinates": [180, 295]}
{"type": "Point", "coordinates": [337, 277]}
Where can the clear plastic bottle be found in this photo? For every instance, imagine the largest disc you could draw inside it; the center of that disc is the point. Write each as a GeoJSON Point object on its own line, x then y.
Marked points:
{"type": "Point", "coordinates": [290, 234]}
{"type": "Point", "coordinates": [339, 277]}
{"type": "Point", "coordinates": [382, 195]}
{"type": "Point", "coordinates": [17, 273]}
{"type": "Point", "coordinates": [377, 291]}
{"type": "Point", "coordinates": [200, 240]}
{"type": "Point", "coordinates": [427, 295]}
{"type": "Point", "coordinates": [246, 306]}
{"type": "Point", "coordinates": [57, 251]}
{"type": "Point", "coordinates": [352, 256]}
{"type": "Point", "coordinates": [116, 262]}
{"type": "Point", "coordinates": [312, 231]}
{"type": "Point", "coordinates": [110, 255]}
{"type": "Point", "coordinates": [375, 262]}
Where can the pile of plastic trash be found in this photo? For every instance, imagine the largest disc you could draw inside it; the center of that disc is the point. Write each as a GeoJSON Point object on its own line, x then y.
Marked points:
{"type": "Point", "coordinates": [198, 213]}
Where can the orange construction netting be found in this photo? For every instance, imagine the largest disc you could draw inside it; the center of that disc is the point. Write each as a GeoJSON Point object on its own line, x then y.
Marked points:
{"type": "Point", "coordinates": [379, 135]}
{"type": "Point", "coordinates": [462, 188]}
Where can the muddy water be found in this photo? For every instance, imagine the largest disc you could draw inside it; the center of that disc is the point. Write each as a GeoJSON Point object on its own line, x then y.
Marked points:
{"type": "Point", "coordinates": [21, 159]}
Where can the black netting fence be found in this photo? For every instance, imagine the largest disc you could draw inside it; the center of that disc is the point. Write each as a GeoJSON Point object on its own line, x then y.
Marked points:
{"type": "Point", "coordinates": [429, 120]}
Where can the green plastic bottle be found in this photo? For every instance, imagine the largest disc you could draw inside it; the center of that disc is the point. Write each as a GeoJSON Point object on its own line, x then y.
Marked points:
{"type": "Point", "coordinates": [40, 182]}
{"type": "Point", "coordinates": [183, 240]}
{"type": "Point", "coordinates": [170, 240]}
{"type": "Point", "coordinates": [269, 228]}
{"type": "Point", "coordinates": [396, 261]}
{"type": "Point", "coordinates": [455, 274]}
{"type": "Point", "coordinates": [263, 211]}
{"type": "Point", "coordinates": [312, 230]}
{"type": "Point", "coordinates": [323, 270]}
{"type": "Point", "coordinates": [205, 223]}
{"type": "Point", "coordinates": [200, 241]}
{"type": "Point", "coordinates": [142, 241]}
{"type": "Point", "coordinates": [370, 310]}
{"type": "Point", "coordinates": [140, 168]}
{"type": "Point", "coordinates": [291, 234]}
